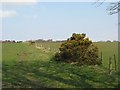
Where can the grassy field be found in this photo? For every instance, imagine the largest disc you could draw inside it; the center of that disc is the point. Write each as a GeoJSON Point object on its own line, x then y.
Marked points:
{"type": "Point", "coordinates": [26, 66]}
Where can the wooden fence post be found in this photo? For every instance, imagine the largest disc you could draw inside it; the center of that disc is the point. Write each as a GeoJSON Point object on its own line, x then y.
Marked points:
{"type": "Point", "coordinates": [110, 65]}
{"type": "Point", "coordinates": [115, 62]}
{"type": "Point", "coordinates": [101, 57]}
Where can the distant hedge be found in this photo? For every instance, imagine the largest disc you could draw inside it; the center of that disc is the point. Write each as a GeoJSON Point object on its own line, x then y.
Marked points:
{"type": "Point", "coordinates": [78, 48]}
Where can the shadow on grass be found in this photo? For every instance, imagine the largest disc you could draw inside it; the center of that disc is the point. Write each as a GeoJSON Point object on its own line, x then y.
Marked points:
{"type": "Point", "coordinates": [72, 76]}
{"type": "Point", "coordinates": [54, 77]}
{"type": "Point", "coordinates": [15, 77]}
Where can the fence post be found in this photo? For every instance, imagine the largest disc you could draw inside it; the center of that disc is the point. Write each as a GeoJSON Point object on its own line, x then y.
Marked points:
{"type": "Point", "coordinates": [115, 62]}
{"type": "Point", "coordinates": [110, 65]}
{"type": "Point", "coordinates": [101, 57]}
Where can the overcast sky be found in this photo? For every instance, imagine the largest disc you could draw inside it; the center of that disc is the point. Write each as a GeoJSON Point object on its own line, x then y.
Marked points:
{"type": "Point", "coordinates": [45, 20]}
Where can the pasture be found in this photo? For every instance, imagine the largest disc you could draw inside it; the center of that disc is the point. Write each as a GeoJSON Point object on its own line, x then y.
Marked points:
{"type": "Point", "coordinates": [25, 66]}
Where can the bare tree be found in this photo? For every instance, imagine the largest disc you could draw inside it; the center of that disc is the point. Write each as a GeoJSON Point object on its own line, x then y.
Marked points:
{"type": "Point", "coordinates": [114, 6]}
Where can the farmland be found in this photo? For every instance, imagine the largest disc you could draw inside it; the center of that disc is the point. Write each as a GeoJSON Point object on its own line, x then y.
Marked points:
{"type": "Point", "coordinates": [25, 66]}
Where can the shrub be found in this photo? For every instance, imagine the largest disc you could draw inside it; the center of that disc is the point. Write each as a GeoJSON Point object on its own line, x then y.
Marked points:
{"type": "Point", "coordinates": [78, 49]}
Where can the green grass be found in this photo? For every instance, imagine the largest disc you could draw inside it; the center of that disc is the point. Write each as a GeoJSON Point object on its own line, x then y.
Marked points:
{"type": "Point", "coordinates": [108, 49]}
{"type": "Point", "coordinates": [26, 66]}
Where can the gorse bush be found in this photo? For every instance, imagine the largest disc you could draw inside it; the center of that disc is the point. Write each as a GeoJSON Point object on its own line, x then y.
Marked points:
{"type": "Point", "coordinates": [78, 48]}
